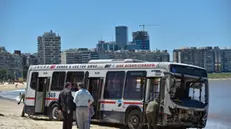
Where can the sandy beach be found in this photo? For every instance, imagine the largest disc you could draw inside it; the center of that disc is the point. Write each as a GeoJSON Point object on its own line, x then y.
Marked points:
{"type": "Point", "coordinates": [10, 115]}
{"type": "Point", "coordinates": [6, 86]}
{"type": "Point", "coordinates": [10, 119]}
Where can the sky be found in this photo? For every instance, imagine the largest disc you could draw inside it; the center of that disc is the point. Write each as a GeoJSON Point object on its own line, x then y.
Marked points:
{"type": "Point", "coordinates": [179, 23]}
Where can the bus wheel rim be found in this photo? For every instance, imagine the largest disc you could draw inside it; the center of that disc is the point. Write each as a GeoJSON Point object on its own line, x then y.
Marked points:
{"type": "Point", "coordinates": [55, 113]}
{"type": "Point", "coordinates": [135, 120]}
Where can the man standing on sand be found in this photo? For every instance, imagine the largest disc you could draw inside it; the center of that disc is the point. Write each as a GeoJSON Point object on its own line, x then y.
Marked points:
{"type": "Point", "coordinates": [83, 100]}
{"type": "Point", "coordinates": [22, 98]}
{"type": "Point", "coordinates": [151, 113]}
{"type": "Point", "coordinates": [66, 106]}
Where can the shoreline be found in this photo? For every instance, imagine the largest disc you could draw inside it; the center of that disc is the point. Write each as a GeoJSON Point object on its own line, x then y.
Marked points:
{"type": "Point", "coordinates": [219, 79]}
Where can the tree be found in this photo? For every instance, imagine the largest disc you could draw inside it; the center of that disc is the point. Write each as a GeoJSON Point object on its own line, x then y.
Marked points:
{"type": "Point", "coordinates": [3, 73]}
{"type": "Point", "coordinates": [25, 69]}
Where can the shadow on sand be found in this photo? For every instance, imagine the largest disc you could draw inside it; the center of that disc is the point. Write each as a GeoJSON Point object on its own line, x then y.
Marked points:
{"type": "Point", "coordinates": [119, 126]}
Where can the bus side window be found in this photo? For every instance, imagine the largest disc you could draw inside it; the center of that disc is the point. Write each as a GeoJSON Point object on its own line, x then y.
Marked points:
{"type": "Point", "coordinates": [74, 78]}
{"type": "Point", "coordinates": [154, 88]}
{"type": "Point", "coordinates": [134, 86]}
{"type": "Point", "coordinates": [58, 79]}
{"type": "Point", "coordinates": [33, 81]}
{"type": "Point", "coordinates": [114, 85]}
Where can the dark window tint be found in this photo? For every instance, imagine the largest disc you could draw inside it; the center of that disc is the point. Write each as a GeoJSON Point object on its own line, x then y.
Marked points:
{"type": "Point", "coordinates": [114, 85]}
{"type": "Point", "coordinates": [74, 78]}
{"type": "Point", "coordinates": [33, 81]}
{"type": "Point", "coordinates": [86, 80]}
{"type": "Point", "coordinates": [58, 79]}
{"type": "Point", "coordinates": [134, 86]}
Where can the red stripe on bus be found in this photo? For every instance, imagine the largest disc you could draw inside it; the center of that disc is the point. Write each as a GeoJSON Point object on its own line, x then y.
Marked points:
{"type": "Point", "coordinates": [51, 99]}
{"type": "Point", "coordinates": [137, 103]}
{"type": "Point", "coordinates": [31, 98]}
{"type": "Point", "coordinates": [108, 102]}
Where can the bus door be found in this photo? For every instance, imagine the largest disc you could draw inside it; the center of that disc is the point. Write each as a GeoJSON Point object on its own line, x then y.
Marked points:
{"type": "Point", "coordinates": [95, 88]}
{"type": "Point", "coordinates": [41, 94]}
{"type": "Point", "coordinates": [155, 88]}
{"type": "Point", "coordinates": [95, 84]}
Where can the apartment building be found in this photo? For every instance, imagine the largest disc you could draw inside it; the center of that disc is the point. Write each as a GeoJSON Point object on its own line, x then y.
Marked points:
{"type": "Point", "coordinates": [83, 55]}
{"type": "Point", "coordinates": [49, 48]}
{"type": "Point", "coordinates": [213, 59]}
{"type": "Point", "coordinates": [7, 60]}
{"type": "Point", "coordinates": [78, 56]}
{"type": "Point", "coordinates": [226, 60]}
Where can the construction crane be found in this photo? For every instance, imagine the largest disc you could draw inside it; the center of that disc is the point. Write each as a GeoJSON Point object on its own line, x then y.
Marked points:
{"type": "Point", "coordinates": [143, 26]}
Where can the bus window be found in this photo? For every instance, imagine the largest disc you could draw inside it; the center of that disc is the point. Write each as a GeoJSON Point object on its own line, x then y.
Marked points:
{"type": "Point", "coordinates": [154, 88]}
{"type": "Point", "coordinates": [114, 85]}
{"type": "Point", "coordinates": [134, 87]}
{"type": "Point", "coordinates": [58, 79]}
{"type": "Point", "coordinates": [74, 78]}
{"type": "Point", "coordinates": [33, 81]}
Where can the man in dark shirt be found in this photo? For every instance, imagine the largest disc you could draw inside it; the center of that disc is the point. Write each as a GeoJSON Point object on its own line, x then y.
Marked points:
{"type": "Point", "coordinates": [151, 113]}
{"type": "Point", "coordinates": [66, 106]}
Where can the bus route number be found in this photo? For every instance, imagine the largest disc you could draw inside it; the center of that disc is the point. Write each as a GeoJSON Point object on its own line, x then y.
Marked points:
{"type": "Point", "coordinates": [51, 95]}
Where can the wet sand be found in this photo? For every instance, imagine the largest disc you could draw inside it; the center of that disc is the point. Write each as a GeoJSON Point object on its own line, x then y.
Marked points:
{"type": "Point", "coordinates": [10, 119]}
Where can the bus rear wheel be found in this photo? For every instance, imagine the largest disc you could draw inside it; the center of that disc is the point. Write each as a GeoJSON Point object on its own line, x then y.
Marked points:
{"type": "Point", "coordinates": [53, 113]}
{"type": "Point", "coordinates": [134, 120]}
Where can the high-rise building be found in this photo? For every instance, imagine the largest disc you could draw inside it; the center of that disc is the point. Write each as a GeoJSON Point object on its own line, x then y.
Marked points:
{"type": "Point", "coordinates": [140, 41]}
{"type": "Point", "coordinates": [49, 48]}
{"type": "Point", "coordinates": [121, 34]}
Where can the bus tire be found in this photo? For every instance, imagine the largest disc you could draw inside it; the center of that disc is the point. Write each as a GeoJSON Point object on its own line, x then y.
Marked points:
{"type": "Point", "coordinates": [53, 112]}
{"type": "Point", "coordinates": [133, 120]}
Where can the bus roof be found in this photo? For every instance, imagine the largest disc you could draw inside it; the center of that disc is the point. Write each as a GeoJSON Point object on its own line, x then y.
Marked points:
{"type": "Point", "coordinates": [106, 64]}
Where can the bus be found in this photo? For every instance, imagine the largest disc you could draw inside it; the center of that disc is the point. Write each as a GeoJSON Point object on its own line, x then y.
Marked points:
{"type": "Point", "coordinates": [122, 89]}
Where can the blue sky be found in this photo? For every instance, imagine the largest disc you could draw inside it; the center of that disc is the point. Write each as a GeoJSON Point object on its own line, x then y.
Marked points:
{"type": "Point", "coordinates": [82, 23]}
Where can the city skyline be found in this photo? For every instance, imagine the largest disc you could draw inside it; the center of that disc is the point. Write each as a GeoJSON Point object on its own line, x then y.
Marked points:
{"type": "Point", "coordinates": [81, 25]}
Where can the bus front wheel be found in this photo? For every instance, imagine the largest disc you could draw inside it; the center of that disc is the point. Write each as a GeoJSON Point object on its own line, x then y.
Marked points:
{"type": "Point", "coordinates": [134, 119]}
{"type": "Point", "coordinates": [53, 112]}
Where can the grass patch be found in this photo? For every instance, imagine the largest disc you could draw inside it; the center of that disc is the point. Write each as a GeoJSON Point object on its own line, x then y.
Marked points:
{"type": "Point", "coordinates": [219, 75]}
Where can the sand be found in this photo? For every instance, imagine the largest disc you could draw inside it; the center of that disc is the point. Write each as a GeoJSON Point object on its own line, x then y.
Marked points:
{"type": "Point", "coordinates": [10, 115]}
{"type": "Point", "coordinates": [6, 86]}
{"type": "Point", "coordinates": [12, 119]}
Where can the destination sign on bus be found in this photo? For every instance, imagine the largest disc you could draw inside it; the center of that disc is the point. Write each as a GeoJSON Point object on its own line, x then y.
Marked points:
{"type": "Point", "coordinates": [134, 65]}
{"type": "Point", "coordinates": [187, 70]}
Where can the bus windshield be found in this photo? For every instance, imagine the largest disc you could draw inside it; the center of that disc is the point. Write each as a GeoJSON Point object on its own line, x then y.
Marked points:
{"type": "Point", "coordinates": [189, 91]}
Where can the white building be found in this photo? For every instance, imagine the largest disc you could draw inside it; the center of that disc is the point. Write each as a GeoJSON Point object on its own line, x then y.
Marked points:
{"type": "Point", "coordinates": [78, 56]}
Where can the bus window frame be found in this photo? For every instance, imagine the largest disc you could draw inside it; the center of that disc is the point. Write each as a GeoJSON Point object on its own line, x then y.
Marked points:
{"type": "Point", "coordinates": [34, 88]}
{"type": "Point", "coordinates": [52, 80]}
{"type": "Point", "coordinates": [144, 85]}
{"type": "Point", "coordinates": [77, 81]}
{"type": "Point", "coordinates": [106, 83]}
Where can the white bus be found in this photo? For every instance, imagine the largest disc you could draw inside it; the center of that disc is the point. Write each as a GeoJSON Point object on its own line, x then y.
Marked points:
{"type": "Point", "coordinates": [122, 90]}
